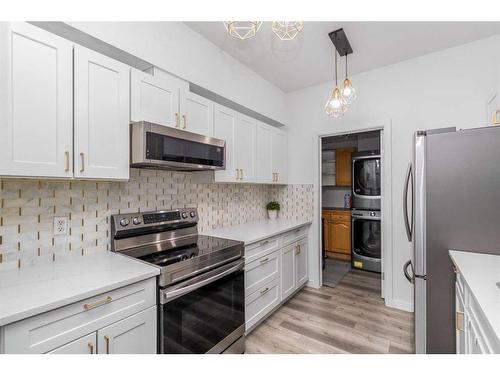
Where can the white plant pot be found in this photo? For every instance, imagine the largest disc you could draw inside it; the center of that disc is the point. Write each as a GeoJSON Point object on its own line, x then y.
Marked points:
{"type": "Point", "coordinates": [272, 214]}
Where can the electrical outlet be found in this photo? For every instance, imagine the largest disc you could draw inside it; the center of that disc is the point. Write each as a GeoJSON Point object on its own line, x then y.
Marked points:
{"type": "Point", "coordinates": [60, 225]}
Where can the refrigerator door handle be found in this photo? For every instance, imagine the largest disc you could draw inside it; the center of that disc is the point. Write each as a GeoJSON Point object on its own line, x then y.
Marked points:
{"type": "Point", "coordinates": [410, 278]}
{"type": "Point", "coordinates": [408, 223]}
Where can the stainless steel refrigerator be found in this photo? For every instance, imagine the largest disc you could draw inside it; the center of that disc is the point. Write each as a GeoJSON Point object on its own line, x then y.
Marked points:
{"type": "Point", "coordinates": [451, 201]}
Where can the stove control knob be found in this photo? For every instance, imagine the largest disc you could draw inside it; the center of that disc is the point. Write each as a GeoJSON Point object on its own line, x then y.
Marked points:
{"type": "Point", "coordinates": [192, 214]}
{"type": "Point", "coordinates": [372, 213]}
{"type": "Point", "coordinates": [184, 215]}
{"type": "Point", "coordinates": [136, 220]}
{"type": "Point", "coordinates": [124, 222]}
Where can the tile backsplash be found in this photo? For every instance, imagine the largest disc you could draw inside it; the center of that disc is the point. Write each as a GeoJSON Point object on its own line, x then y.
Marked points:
{"type": "Point", "coordinates": [27, 209]}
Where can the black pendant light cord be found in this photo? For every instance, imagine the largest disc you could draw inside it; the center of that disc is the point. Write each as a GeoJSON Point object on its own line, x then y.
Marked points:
{"type": "Point", "coordinates": [335, 53]}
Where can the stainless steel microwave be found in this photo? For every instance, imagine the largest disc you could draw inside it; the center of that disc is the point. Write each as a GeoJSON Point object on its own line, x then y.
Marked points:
{"type": "Point", "coordinates": [161, 147]}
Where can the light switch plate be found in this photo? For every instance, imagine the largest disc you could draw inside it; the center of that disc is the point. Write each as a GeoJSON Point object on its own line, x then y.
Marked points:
{"type": "Point", "coordinates": [60, 225]}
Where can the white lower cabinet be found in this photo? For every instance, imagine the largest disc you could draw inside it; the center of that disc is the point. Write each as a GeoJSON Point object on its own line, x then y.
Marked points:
{"type": "Point", "coordinates": [275, 269]}
{"type": "Point", "coordinates": [119, 321]}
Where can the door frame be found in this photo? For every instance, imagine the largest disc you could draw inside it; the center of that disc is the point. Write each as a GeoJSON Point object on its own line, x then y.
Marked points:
{"type": "Point", "coordinates": [386, 200]}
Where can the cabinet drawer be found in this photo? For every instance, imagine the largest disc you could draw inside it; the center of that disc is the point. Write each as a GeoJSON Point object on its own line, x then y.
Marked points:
{"type": "Point", "coordinates": [295, 235]}
{"type": "Point", "coordinates": [261, 271]}
{"type": "Point", "coordinates": [50, 330]}
{"type": "Point", "coordinates": [341, 216]}
{"type": "Point", "coordinates": [261, 248]}
{"type": "Point", "coordinates": [484, 332]}
{"type": "Point", "coordinates": [260, 303]}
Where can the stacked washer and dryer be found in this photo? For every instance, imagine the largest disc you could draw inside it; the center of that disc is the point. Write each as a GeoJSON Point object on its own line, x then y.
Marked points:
{"type": "Point", "coordinates": [366, 223]}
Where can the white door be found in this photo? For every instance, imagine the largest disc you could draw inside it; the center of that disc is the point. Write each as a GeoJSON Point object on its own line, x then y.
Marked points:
{"type": "Point", "coordinates": [36, 102]}
{"type": "Point", "coordinates": [245, 147]}
{"type": "Point", "coordinates": [265, 171]}
{"type": "Point", "coordinates": [133, 335]}
{"type": "Point", "coordinates": [288, 271]}
{"type": "Point", "coordinates": [83, 345]}
{"type": "Point", "coordinates": [279, 159]}
{"type": "Point", "coordinates": [155, 98]}
{"type": "Point", "coordinates": [198, 115]}
{"type": "Point", "coordinates": [301, 262]}
{"type": "Point", "coordinates": [101, 125]}
{"type": "Point", "coordinates": [224, 128]}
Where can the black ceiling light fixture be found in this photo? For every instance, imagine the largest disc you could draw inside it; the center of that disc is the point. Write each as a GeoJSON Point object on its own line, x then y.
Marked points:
{"type": "Point", "coordinates": [340, 98]}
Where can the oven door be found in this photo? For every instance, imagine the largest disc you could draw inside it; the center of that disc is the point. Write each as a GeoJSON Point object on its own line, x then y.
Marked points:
{"type": "Point", "coordinates": [205, 314]}
{"type": "Point", "coordinates": [366, 177]}
{"type": "Point", "coordinates": [366, 238]}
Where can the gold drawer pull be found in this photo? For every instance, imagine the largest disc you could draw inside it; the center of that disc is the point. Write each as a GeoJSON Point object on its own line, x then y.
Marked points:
{"type": "Point", "coordinates": [91, 348]}
{"type": "Point", "coordinates": [264, 242]}
{"type": "Point", "coordinates": [496, 121]}
{"type": "Point", "coordinates": [106, 338]}
{"type": "Point", "coordinates": [458, 326]}
{"type": "Point", "coordinates": [264, 260]}
{"type": "Point", "coordinates": [82, 159]}
{"type": "Point", "coordinates": [184, 118]}
{"type": "Point", "coordinates": [66, 167]}
{"type": "Point", "coordinates": [264, 291]}
{"type": "Point", "coordinates": [89, 306]}
{"type": "Point", "coordinates": [177, 121]}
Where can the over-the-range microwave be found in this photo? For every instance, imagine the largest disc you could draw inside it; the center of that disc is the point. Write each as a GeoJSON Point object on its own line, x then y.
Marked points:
{"type": "Point", "coordinates": [161, 147]}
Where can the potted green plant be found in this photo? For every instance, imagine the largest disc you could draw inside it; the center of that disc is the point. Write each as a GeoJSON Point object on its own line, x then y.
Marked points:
{"type": "Point", "coordinates": [272, 209]}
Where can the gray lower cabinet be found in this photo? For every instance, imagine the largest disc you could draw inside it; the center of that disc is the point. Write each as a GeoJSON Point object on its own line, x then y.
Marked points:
{"type": "Point", "coordinates": [84, 345]}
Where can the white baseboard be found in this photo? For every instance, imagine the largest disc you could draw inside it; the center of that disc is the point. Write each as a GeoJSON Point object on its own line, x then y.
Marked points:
{"type": "Point", "coordinates": [399, 304]}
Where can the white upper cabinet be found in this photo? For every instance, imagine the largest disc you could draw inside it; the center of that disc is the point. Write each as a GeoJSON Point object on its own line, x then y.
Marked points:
{"type": "Point", "coordinates": [264, 153]}
{"type": "Point", "coordinates": [198, 114]}
{"type": "Point", "coordinates": [101, 122]}
{"type": "Point", "coordinates": [225, 128]}
{"type": "Point", "coordinates": [36, 109]}
{"type": "Point", "coordinates": [245, 148]}
{"type": "Point", "coordinates": [279, 158]}
{"type": "Point", "coordinates": [156, 97]}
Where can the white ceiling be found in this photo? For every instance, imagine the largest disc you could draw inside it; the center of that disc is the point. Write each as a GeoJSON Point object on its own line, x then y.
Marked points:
{"type": "Point", "coordinates": [308, 60]}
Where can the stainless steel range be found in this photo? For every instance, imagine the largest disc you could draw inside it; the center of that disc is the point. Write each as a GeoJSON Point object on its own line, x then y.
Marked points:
{"type": "Point", "coordinates": [201, 290]}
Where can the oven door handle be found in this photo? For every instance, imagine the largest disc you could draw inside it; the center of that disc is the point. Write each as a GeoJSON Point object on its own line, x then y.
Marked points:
{"type": "Point", "coordinates": [188, 286]}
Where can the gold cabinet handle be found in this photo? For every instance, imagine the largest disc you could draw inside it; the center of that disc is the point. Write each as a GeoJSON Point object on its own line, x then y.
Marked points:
{"type": "Point", "coordinates": [277, 176]}
{"type": "Point", "coordinates": [177, 121]}
{"type": "Point", "coordinates": [274, 176]}
{"type": "Point", "coordinates": [91, 348]}
{"type": "Point", "coordinates": [264, 242]}
{"type": "Point", "coordinates": [89, 306]}
{"type": "Point", "coordinates": [264, 291]}
{"type": "Point", "coordinates": [264, 260]}
{"type": "Point", "coordinates": [184, 119]}
{"type": "Point", "coordinates": [106, 339]}
{"type": "Point", "coordinates": [237, 174]}
{"type": "Point", "coordinates": [241, 170]}
{"type": "Point", "coordinates": [495, 117]}
{"type": "Point", "coordinates": [66, 161]}
{"type": "Point", "coordinates": [82, 160]}
{"type": "Point", "coordinates": [458, 326]}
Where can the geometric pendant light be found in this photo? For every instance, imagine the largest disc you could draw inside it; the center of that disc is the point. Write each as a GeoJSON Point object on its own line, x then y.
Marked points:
{"type": "Point", "coordinates": [242, 29]}
{"type": "Point", "coordinates": [287, 30]}
{"type": "Point", "coordinates": [336, 105]}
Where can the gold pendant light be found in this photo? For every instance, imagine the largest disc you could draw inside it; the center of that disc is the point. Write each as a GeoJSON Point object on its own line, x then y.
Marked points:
{"type": "Point", "coordinates": [287, 30]}
{"type": "Point", "coordinates": [336, 105]}
{"type": "Point", "coordinates": [348, 92]}
{"type": "Point", "coordinates": [242, 29]}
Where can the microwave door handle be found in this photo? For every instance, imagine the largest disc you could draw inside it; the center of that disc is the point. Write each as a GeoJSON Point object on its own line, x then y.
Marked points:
{"type": "Point", "coordinates": [408, 225]}
{"type": "Point", "coordinates": [169, 295]}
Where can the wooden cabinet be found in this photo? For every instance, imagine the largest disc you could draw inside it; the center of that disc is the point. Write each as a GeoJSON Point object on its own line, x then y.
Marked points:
{"type": "Point", "coordinates": [156, 97]}
{"type": "Point", "coordinates": [337, 234]}
{"type": "Point", "coordinates": [101, 124]}
{"type": "Point", "coordinates": [343, 166]}
{"type": "Point", "coordinates": [36, 106]}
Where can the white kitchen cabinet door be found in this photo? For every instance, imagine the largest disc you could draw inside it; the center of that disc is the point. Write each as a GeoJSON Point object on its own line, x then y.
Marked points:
{"type": "Point", "coordinates": [83, 345]}
{"type": "Point", "coordinates": [36, 102]}
{"type": "Point", "coordinates": [288, 270]}
{"type": "Point", "coordinates": [198, 114]}
{"type": "Point", "coordinates": [459, 321]}
{"type": "Point", "coordinates": [101, 124]}
{"type": "Point", "coordinates": [264, 153]}
{"type": "Point", "coordinates": [279, 158]}
{"type": "Point", "coordinates": [133, 335]}
{"type": "Point", "coordinates": [301, 263]}
{"type": "Point", "coordinates": [155, 98]}
{"type": "Point", "coordinates": [245, 148]}
{"type": "Point", "coordinates": [225, 128]}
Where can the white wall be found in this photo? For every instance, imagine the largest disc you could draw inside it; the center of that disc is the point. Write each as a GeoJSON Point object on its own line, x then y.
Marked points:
{"type": "Point", "coordinates": [447, 88]}
{"type": "Point", "coordinates": [174, 47]}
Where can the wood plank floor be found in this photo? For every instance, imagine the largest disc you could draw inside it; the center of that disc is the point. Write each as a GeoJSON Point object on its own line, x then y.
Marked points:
{"type": "Point", "coordinates": [349, 318]}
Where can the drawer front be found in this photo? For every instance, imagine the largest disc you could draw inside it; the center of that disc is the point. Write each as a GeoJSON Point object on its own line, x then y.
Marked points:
{"type": "Point", "coordinates": [261, 271]}
{"type": "Point", "coordinates": [261, 248]}
{"type": "Point", "coordinates": [295, 235]}
{"type": "Point", "coordinates": [341, 216]}
{"type": "Point", "coordinates": [83, 345]}
{"type": "Point", "coordinates": [50, 330]}
{"type": "Point", "coordinates": [486, 337]}
{"type": "Point", "coordinates": [260, 303]}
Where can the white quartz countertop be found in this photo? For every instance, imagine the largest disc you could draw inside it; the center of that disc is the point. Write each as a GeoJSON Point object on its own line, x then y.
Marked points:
{"type": "Point", "coordinates": [481, 272]}
{"type": "Point", "coordinates": [40, 287]}
{"type": "Point", "coordinates": [257, 230]}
